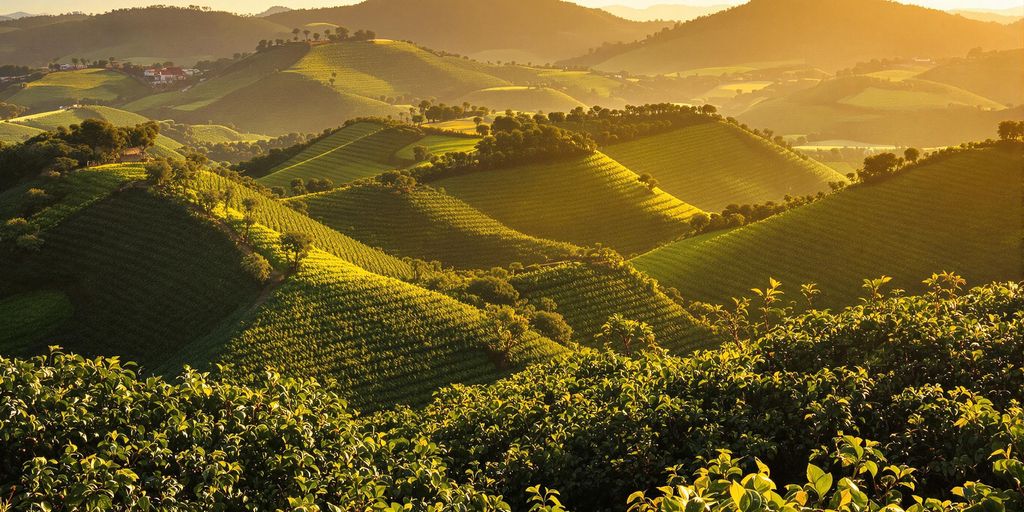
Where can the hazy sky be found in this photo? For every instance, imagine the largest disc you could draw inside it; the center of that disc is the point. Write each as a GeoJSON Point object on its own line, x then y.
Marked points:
{"type": "Point", "coordinates": [249, 6]}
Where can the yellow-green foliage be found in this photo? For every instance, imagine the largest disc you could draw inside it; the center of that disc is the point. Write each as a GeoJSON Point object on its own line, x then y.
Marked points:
{"type": "Point", "coordinates": [357, 151]}
{"type": "Point", "coordinates": [384, 341]}
{"type": "Point", "coordinates": [582, 200]}
{"type": "Point", "coordinates": [587, 296]}
{"type": "Point", "coordinates": [961, 213]}
{"type": "Point", "coordinates": [51, 120]}
{"type": "Point", "coordinates": [524, 98]}
{"type": "Point", "coordinates": [67, 87]}
{"type": "Point", "coordinates": [145, 278]}
{"type": "Point", "coordinates": [429, 225]}
{"type": "Point", "coordinates": [76, 190]}
{"type": "Point", "coordinates": [712, 165]}
{"type": "Point", "coordinates": [391, 68]}
{"type": "Point", "coordinates": [275, 215]}
{"type": "Point", "coordinates": [13, 133]}
{"type": "Point", "coordinates": [438, 145]}
{"type": "Point", "coordinates": [218, 134]}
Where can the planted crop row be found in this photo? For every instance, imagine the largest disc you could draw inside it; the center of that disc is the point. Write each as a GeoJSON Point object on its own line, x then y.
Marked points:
{"type": "Point", "coordinates": [960, 214]}
{"type": "Point", "coordinates": [587, 296]}
{"type": "Point", "coordinates": [585, 201]}
{"type": "Point", "coordinates": [430, 225]}
{"type": "Point", "coordinates": [712, 165]}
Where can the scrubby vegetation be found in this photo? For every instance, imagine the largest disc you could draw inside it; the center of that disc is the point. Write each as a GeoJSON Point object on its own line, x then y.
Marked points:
{"type": "Point", "coordinates": [930, 412]}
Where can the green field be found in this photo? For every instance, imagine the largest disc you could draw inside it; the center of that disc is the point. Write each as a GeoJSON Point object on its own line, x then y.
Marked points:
{"type": "Point", "coordinates": [219, 134]}
{"type": "Point", "coordinates": [51, 120]}
{"type": "Point", "coordinates": [581, 200]}
{"type": "Point", "coordinates": [438, 145]}
{"type": "Point", "coordinates": [357, 151]}
{"type": "Point", "coordinates": [712, 165]}
{"type": "Point", "coordinates": [13, 133]}
{"type": "Point", "coordinates": [961, 214]}
{"type": "Point", "coordinates": [524, 99]}
{"type": "Point", "coordinates": [143, 275]}
{"type": "Point", "coordinates": [429, 225]}
{"type": "Point", "coordinates": [68, 87]}
{"type": "Point", "coordinates": [384, 341]}
{"type": "Point", "coordinates": [29, 316]}
{"type": "Point", "coordinates": [587, 296]}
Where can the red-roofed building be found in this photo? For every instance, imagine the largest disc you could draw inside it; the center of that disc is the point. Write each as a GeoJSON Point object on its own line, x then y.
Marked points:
{"type": "Point", "coordinates": [165, 75]}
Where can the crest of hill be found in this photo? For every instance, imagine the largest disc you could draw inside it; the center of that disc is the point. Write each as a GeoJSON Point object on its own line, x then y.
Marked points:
{"type": "Point", "coordinates": [830, 34]}
{"type": "Point", "coordinates": [714, 164]}
{"type": "Point", "coordinates": [430, 225]}
{"type": "Point", "coordinates": [49, 121]}
{"type": "Point", "coordinates": [995, 75]}
{"type": "Point", "coordinates": [520, 30]}
{"type": "Point", "coordinates": [960, 212]}
{"type": "Point", "coordinates": [69, 87]}
{"type": "Point", "coordinates": [585, 200]}
{"type": "Point", "coordinates": [908, 112]}
{"type": "Point", "coordinates": [525, 98]}
{"type": "Point", "coordinates": [153, 33]}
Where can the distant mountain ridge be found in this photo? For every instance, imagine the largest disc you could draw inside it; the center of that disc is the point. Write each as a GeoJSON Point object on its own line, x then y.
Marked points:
{"type": "Point", "coordinates": [522, 30]}
{"type": "Point", "coordinates": [829, 34]}
{"type": "Point", "coordinates": [670, 12]}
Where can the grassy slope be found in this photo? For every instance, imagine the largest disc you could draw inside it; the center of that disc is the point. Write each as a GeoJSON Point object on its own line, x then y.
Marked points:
{"type": "Point", "coordinates": [143, 275]}
{"type": "Point", "coordinates": [587, 296]}
{"type": "Point", "coordinates": [429, 225]}
{"type": "Point", "coordinates": [165, 146]}
{"type": "Point", "coordinates": [355, 152]}
{"type": "Point", "coordinates": [438, 145]}
{"type": "Point", "coordinates": [275, 215]}
{"type": "Point", "coordinates": [13, 133]}
{"type": "Point", "coordinates": [997, 75]}
{"type": "Point", "coordinates": [527, 99]}
{"type": "Point", "coordinates": [960, 214]}
{"type": "Point", "coordinates": [217, 134]}
{"type": "Point", "coordinates": [67, 87]}
{"type": "Point", "coordinates": [392, 68]}
{"type": "Point", "coordinates": [383, 340]}
{"type": "Point", "coordinates": [712, 165]}
{"type": "Point", "coordinates": [582, 200]}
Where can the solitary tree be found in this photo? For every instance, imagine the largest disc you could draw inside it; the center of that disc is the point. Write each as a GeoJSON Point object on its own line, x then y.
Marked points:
{"type": "Point", "coordinates": [912, 154]}
{"type": "Point", "coordinates": [296, 246]}
{"type": "Point", "coordinates": [248, 215]}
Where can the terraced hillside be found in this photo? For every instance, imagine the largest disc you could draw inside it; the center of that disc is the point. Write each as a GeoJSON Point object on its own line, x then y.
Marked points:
{"type": "Point", "coordinates": [960, 213]}
{"type": "Point", "coordinates": [69, 87]}
{"type": "Point", "coordinates": [585, 201]}
{"type": "Point", "coordinates": [51, 120]}
{"type": "Point", "coordinates": [429, 225]}
{"type": "Point", "coordinates": [276, 216]}
{"type": "Point", "coordinates": [384, 341]}
{"type": "Point", "coordinates": [357, 151]}
{"type": "Point", "coordinates": [438, 145]}
{"type": "Point", "coordinates": [711, 165]}
{"type": "Point", "coordinates": [587, 296]}
{"type": "Point", "coordinates": [141, 275]}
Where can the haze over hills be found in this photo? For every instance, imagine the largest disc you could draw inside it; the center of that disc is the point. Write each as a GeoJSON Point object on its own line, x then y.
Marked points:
{"type": "Point", "coordinates": [669, 12]}
{"type": "Point", "coordinates": [830, 34]}
{"type": "Point", "coordinates": [537, 31]}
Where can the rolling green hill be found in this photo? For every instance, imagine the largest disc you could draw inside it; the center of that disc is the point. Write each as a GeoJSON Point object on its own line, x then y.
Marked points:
{"type": "Point", "coordinates": [830, 34]}
{"type": "Point", "coordinates": [141, 275]}
{"type": "Point", "coordinates": [585, 201]}
{"type": "Point", "coordinates": [960, 213]}
{"type": "Point", "coordinates": [220, 134]}
{"type": "Point", "coordinates": [12, 133]}
{"type": "Point", "coordinates": [529, 99]}
{"type": "Point", "coordinates": [46, 121]}
{"type": "Point", "coordinates": [995, 75]}
{"type": "Point", "coordinates": [429, 225]}
{"type": "Point", "coordinates": [438, 145]}
{"type": "Point", "coordinates": [69, 87]}
{"type": "Point", "coordinates": [587, 296]}
{"type": "Point", "coordinates": [907, 112]}
{"type": "Point", "coordinates": [711, 165]}
{"type": "Point", "coordinates": [357, 151]}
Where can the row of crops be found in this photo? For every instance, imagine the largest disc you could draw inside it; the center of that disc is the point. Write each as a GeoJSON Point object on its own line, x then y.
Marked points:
{"type": "Point", "coordinates": [430, 225]}
{"type": "Point", "coordinates": [392, 68]}
{"type": "Point", "coordinates": [276, 216]}
{"type": "Point", "coordinates": [587, 296]}
{"type": "Point", "coordinates": [76, 191]}
{"type": "Point", "coordinates": [144, 276]}
{"type": "Point", "coordinates": [358, 151]}
{"type": "Point", "coordinates": [586, 201]}
{"type": "Point", "coordinates": [382, 340]}
{"type": "Point", "coordinates": [961, 213]}
{"type": "Point", "coordinates": [712, 165]}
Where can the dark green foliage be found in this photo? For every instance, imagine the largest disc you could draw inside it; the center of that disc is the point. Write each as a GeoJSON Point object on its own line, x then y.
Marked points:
{"type": "Point", "coordinates": [493, 290]}
{"type": "Point", "coordinates": [552, 325]}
